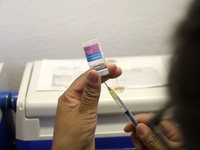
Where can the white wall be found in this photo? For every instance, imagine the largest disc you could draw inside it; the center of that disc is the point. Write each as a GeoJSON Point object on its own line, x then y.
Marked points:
{"type": "Point", "coordinates": [37, 29]}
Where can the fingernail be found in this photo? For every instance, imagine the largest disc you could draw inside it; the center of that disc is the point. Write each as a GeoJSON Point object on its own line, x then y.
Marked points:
{"type": "Point", "coordinates": [92, 77]}
{"type": "Point", "coordinates": [142, 129]}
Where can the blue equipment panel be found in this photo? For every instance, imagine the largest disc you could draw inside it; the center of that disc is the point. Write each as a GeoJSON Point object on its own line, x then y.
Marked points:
{"type": "Point", "coordinates": [117, 143]}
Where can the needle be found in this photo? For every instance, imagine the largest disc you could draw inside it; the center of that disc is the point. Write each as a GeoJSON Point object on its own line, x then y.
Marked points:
{"type": "Point", "coordinates": [121, 105]}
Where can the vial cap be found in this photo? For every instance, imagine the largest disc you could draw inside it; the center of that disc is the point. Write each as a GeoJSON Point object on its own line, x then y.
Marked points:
{"type": "Point", "coordinates": [103, 72]}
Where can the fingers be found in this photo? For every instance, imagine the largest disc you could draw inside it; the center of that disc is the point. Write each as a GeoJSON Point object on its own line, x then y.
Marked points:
{"type": "Point", "coordinates": [148, 138]}
{"type": "Point", "coordinates": [137, 142]}
{"type": "Point", "coordinates": [114, 72]}
{"type": "Point", "coordinates": [78, 84]}
{"type": "Point", "coordinates": [144, 118]}
{"type": "Point", "coordinates": [91, 92]}
{"type": "Point", "coordinates": [140, 118]}
{"type": "Point", "coordinates": [171, 131]}
{"type": "Point", "coordinates": [129, 127]}
{"type": "Point", "coordinates": [142, 136]}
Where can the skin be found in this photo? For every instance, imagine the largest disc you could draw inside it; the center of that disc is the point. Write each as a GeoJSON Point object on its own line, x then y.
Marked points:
{"type": "Point", "coordinates": [76, 115]}
{"type": "Point", "coordinates": [144, 139]}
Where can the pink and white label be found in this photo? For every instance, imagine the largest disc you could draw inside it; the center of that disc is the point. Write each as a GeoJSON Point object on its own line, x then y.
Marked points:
{"type": "Point", "coordinates": [92, 52]}
{"type": "Point", "coordinates": [91, 49]}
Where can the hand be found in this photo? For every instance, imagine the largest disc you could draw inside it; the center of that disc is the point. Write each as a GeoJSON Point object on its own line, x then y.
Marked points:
{"type": "Point", "coordinates": [144, 139]}
{"type": "Point", "coordinates": [76, 115]}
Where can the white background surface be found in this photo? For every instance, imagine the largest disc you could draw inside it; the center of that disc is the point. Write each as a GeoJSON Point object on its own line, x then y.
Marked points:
{"type": "Point", "coordinates": [36, 29]}
{"type": "Point", "coordinates": [58, 75]}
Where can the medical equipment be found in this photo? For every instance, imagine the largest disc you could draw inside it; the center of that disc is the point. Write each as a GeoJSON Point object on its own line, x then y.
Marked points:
{"type": "Point", "coordinates": [121, 105]}
{"type": "Point", "coordinates": [37, 102]}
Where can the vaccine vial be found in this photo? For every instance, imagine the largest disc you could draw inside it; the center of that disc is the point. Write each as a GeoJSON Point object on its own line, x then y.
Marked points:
{"type": "Point", "coordinates": [95, 56]}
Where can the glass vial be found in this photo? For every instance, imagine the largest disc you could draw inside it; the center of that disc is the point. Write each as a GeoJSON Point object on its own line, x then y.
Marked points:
{"type": "Point", "coordinates": [95, 56]}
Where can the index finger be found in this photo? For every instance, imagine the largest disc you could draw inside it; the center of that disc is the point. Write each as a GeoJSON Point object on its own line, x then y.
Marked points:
{"type": "Point", "coordinates": [144, 118]}
{"type": "Point", "coordinates": [140, 118]}
{"type": "Point", "coordinates": [114, 72]}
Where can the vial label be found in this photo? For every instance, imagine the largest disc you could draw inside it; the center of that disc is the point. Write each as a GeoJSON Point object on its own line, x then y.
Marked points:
{"type": "Point", "coordinates": [92, 52]}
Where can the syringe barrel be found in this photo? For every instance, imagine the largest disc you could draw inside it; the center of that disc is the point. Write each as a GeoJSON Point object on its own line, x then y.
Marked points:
{"type": "Point", "coordinates": [120, 103]}
{"type": "Point", "coordinates": [130, 116]}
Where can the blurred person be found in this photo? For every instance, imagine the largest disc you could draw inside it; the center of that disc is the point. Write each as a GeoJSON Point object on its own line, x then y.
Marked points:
{"type": "Point", "coordinates": [184, 86]}
{"type": "Point", "coordinates": [76, 115]}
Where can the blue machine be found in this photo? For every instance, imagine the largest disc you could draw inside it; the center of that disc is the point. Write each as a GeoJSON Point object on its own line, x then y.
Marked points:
{"type": "Point", "coordinates": [7, 125]}
{"type": "Point", "coordinates": [7, 115]}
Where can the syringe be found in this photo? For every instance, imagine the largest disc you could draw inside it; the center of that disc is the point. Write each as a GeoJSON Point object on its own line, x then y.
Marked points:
{"type": "Point", "coordinates": [121, 105]}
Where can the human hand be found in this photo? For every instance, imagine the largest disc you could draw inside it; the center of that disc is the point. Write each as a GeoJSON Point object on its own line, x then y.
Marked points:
{"type": "Point", "coordinates": [76, 115]}
{"type": "Point", "coordinates": [144, 139]}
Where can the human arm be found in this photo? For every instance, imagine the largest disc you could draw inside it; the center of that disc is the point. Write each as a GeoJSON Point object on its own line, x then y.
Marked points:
{"type": "Point", "coordinates": [76, 115]}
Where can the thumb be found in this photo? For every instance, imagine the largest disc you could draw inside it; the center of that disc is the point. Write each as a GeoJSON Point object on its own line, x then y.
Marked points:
{"type": "Point", "coordinates": [91, 92]}
{"type": "Point", "coordinates": [148, 138]}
